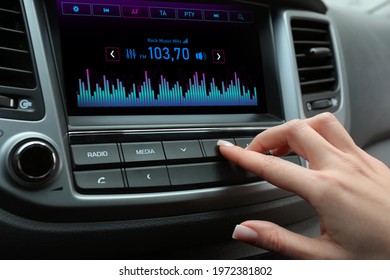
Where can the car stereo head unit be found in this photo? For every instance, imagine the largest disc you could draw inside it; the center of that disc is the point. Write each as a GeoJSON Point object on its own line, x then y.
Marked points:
{"type": "Point", "coordinates": [204, 62]}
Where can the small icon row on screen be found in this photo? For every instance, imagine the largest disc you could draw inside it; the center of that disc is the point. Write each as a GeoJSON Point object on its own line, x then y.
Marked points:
{"type": "Point", "coordinates": [143, 12]}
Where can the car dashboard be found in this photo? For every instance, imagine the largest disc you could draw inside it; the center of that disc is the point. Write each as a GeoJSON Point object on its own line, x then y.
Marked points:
{"type": "Point", "coordinates": [110, 112]}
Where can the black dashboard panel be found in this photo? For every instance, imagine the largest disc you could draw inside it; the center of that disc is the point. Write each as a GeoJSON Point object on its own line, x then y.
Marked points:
{"type": "Point", "coordinates": [136, 95]}
{"type": "Point", "coordinates": [144, 107]}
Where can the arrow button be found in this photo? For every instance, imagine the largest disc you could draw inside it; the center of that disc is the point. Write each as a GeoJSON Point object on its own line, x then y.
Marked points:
{"type": "Point", "coordinates": [112, 54]}
{"type": "Point", "coordinates": [189, 149]}
{"type": "Point", "coordinates": [219, 57]}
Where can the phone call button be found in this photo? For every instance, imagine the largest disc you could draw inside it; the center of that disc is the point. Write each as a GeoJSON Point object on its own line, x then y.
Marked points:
{"type": "Point", "coordinates": [101, 179]}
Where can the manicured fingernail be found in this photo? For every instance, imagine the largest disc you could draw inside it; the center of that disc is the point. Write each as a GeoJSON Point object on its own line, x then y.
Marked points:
{"type": "Point", "coordinates": [225, 143]}
{"type": "Point", "coordinates": [245, 234]}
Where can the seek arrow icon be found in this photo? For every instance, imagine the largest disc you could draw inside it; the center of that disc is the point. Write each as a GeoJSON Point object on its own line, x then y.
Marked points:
{"type": "Point", "coordinates": [219, 57]}
{"type": "Point", "coordinates": [112, 54]}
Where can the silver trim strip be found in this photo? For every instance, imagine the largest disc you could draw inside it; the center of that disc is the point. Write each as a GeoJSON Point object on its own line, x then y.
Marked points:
{"type": "Point", "coordinates": [150, 131]}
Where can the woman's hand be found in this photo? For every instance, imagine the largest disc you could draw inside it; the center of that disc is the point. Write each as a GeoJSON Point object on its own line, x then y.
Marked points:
{"type": "Point", "coordinates": [349, 189]}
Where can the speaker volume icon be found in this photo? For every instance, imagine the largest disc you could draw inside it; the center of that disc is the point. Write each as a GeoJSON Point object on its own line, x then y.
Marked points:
{"type": "Point", "coordinates": [201, 56]}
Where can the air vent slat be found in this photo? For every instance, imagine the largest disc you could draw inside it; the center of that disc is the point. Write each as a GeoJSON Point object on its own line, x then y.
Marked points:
{"type": "Point", "coordinates": [312, 30]}
{"type": "Point", "coordinates": [316, 68]}
{"type": "Point", "coordinates": [318, 82]}
{"type": "Point", "coordinates": [16, 68]}
{"type": "Point", "coordinates": [317, 71]}
{"type": "Point", "coordinates": [312, 43]}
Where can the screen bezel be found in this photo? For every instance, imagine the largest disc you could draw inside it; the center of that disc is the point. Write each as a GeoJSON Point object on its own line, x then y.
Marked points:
{"type": "Point", "coordinates": [273, 116]}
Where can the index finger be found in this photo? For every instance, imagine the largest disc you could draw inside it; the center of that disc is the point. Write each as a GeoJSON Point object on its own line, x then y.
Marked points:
{"type": "Point", "coordinates": [279, 172]}
{"type": "Point", "coordinates": [300, 137]}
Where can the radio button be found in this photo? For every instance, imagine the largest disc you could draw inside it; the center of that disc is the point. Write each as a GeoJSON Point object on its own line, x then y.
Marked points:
{"type": "Point", "coordinates": [95, 154]}
{"type": "Point", "coordinates": [148, 177]}
{"type": "Point", "coordinates": [99, 179]}
{"type": "Point", "coordinates": [183, 149]}
{"type": "Point", "coordinates": [140, 152]}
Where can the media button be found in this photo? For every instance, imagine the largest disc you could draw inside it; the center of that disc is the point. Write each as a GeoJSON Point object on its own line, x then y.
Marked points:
{"type": "Point", "coordinates": [162, 13]}
{"type": "Point", "coordinates": [106, 10]}
{"type": "Point", "coordinates": [76, 9]}
{"type": "Point", "coordinates": [99, 179]}
{"type": "Point", "coordinates": [135, 12]}
{"type": "Point", "coordinates": [140, 152]}
{"type": "Point", "coordinates": [243, 17]}
{"type": "Point", "coordinates": [211, 15]}
{"type": "Point", "coordinates": [95, 154]}
{"type": "Point", "coordinates": [190, 14]}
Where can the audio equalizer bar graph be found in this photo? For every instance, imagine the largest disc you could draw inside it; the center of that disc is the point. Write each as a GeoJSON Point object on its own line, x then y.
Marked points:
{"type": "Point", "coordinates": [196, 92]}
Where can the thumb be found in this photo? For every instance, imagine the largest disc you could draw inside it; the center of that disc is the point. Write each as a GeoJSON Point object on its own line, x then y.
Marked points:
{"type": "Point", "coordinates": [274, 238]}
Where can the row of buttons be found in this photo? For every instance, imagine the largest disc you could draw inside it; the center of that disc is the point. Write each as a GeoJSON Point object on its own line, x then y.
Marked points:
{"type": "Point", "coordinates": [162, 165]}
{"type": "Point", "coordinates": [165, 176]}
{"type": "Point", "coordinates": [99, 154]}
{"type": "Point", "coordinates": [158, 176]}
{"type": "Point", "coordinates": [141, 12]}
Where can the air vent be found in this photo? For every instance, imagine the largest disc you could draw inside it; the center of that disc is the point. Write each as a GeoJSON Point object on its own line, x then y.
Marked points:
{"type": "Point", "coordinates": [315, 56]}
{"type": "Point", "coordinates": [16, 68]}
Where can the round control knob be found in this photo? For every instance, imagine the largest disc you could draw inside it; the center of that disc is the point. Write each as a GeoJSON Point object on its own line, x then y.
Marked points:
{"type": "Point", "coordinates": [34, 161]}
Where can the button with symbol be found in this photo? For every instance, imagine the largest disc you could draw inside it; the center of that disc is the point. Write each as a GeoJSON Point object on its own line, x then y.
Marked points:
{"type": "Point", "coordinates": [211, 15]}
{"type": "Point", "coordinates": [26, 104]}
{"type": "Point", "coordinates": [148, 177]}
{"type": "Point", "coordinates": [113, 54]}
{"type": "Point", "coordinates": [76, 9]}
{"type": "Point", "coordinates": [106, 10]}
{"type": "Point", "coordinates": [241, 17]}
{"type": "Point", "coordinates": [219, 57]}
{"type": "Point", "coordinates": [182, 149]}
{"type": "Point", "coordinates": [100, 179]}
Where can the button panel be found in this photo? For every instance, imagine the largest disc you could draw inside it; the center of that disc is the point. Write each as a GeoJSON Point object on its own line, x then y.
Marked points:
{"type": "Point", "coordinates": [157, 166]}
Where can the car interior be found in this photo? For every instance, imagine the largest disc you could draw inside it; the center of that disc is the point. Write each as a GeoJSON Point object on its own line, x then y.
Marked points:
{"type": "Point", "coordinates": [110, 112]}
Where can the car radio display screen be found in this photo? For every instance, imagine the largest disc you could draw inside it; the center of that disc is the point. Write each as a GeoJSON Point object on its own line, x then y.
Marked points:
{"type": "Point", "coordinates": [127, 57]}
